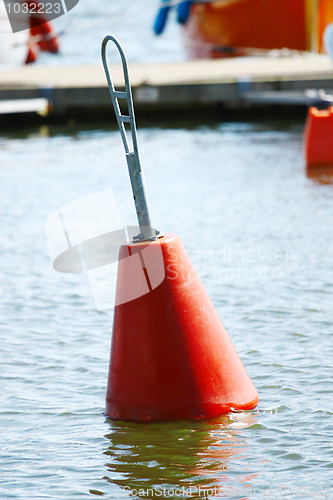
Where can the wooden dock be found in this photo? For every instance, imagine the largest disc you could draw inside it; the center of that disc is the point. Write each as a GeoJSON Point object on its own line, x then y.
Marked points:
{"type": "Point", "coordinates": [192, 85]}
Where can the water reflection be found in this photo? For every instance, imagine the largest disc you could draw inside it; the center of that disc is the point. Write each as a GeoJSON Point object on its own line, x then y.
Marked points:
{"type": "Point", "coordinates": [320, 173]}
{"type": "Point", "coordinates": [178, 459]}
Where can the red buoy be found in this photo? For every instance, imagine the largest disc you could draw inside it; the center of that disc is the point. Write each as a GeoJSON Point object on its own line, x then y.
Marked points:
{"type": "Point", "coordinates": [42, 35]}
{"type": "Point", "coordinates": [318, 138]}
{"type": "Point", "coordinates": [171, 357]}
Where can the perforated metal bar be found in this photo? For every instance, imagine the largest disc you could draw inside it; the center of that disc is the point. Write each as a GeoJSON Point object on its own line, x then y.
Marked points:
{"type": "Point", "coordinates": [132, 153]}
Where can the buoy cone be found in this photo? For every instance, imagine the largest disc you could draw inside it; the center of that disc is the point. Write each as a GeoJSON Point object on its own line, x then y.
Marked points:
{"type": "Point", "coordinates": [318, 137]}
{"type": "Point", "coordinates": [171, 357]}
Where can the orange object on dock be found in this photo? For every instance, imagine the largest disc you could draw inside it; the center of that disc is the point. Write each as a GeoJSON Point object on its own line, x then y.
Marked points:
{"type": "Point", "coordinates": [171, 357]}
{"type": "Point", "coordinates": [236, 27]}
{"type": "Point", "coordinates": [318, 137]}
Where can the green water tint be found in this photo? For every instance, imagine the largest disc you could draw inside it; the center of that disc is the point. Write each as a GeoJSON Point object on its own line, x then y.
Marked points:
{"type": "Point", "coordinates": [176, 459]}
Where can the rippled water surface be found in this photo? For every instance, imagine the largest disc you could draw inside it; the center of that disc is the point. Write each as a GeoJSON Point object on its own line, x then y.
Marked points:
{"type": "Point", "coordinates": [259, 230]}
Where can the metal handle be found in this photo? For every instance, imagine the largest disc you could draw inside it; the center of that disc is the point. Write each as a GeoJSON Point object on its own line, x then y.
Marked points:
{"type": "Point", "coordinates": [132, 154]}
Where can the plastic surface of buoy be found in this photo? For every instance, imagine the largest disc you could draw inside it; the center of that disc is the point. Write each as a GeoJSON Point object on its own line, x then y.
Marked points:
{"type": "Point", "coordinates": [318, 137]}
{"type": "Point", "coordinates": [171, 357]}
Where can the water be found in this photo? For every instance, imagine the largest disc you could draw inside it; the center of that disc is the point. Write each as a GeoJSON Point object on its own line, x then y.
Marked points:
{"type": "Point", "coordinates": [83, 29]}
{"type": "Point", "coordinates": [259, 232]}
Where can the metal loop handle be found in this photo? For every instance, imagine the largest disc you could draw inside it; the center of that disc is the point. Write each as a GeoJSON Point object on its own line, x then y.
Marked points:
{"type": "Point", "coordinates": [132, 154]}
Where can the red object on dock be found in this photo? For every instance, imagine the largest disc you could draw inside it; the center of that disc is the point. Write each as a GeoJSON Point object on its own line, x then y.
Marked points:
{"type": "Point", "coordinates": [42, 35]}
{"type": "Point", "coordinates": [318, 137]}
{"type": "Point", "coordinates": [238, 27]}
{"type": "Point", "coordinates": [171, 357]}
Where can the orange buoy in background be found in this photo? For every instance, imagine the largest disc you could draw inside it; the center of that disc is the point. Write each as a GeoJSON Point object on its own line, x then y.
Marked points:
{"type": "Point", "coordinates": [318, 136]}
{"type": "Point", "coordinates": [171, 357]}
{"type": "Point", "coordinates": [42, 35]}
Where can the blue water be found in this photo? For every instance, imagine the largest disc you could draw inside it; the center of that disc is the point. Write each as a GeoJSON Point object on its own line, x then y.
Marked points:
{"type": "Point", "coordinates": [83, 29]}
{"type": "Point", "coordinates": [259, 230]}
